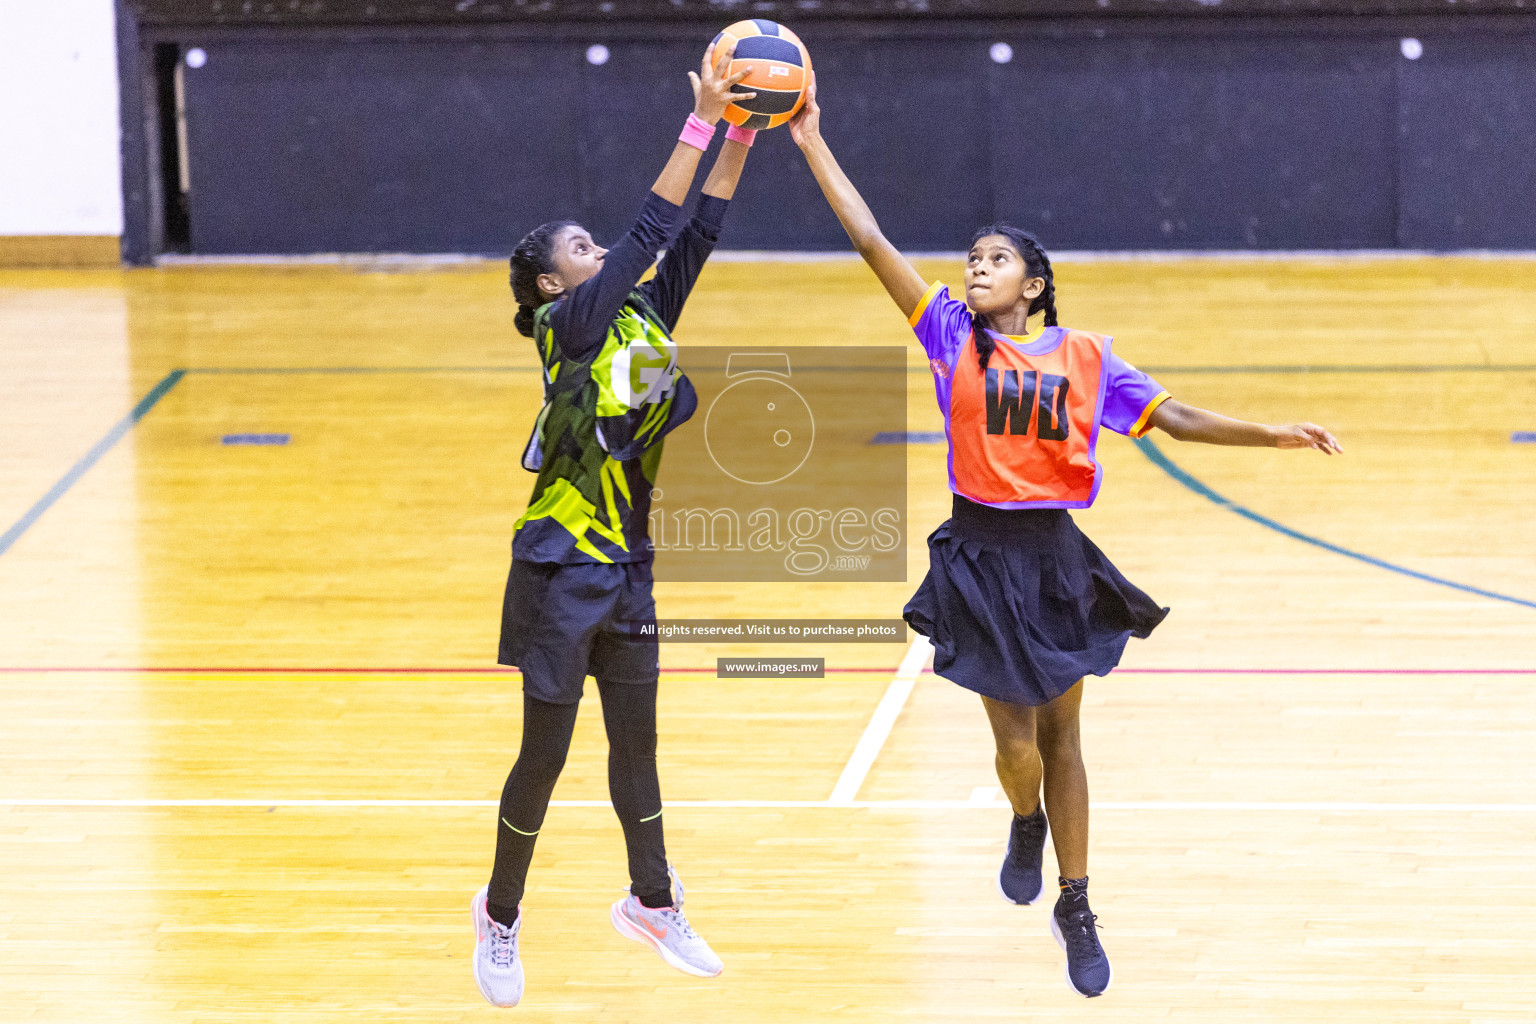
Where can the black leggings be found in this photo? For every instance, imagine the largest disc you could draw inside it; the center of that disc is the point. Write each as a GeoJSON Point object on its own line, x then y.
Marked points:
{"type": "Point", "coordinates": [629, 716]}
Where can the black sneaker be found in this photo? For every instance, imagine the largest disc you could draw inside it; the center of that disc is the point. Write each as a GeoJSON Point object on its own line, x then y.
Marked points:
{"type": "Point", "coordinates": [1019, 880]}
{"type": "Point", "coordinates": [1088, 970]}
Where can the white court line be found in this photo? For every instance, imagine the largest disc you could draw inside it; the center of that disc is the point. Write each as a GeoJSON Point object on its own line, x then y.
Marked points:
{"type": "Point", "coordinates": [879, 727]}
{"type": "Point", "coordinates": [1323, 806]}
{"type": "Point", "coordinates": [986, 796]}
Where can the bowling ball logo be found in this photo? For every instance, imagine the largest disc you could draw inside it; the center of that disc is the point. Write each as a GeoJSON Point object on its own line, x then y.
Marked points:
{"type": "Point", "coordinates": [759, 430]}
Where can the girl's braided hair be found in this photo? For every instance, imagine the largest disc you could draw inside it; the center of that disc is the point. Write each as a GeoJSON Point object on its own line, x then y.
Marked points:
{"type": "Point", "coordinates": [533, 256]}
{"type": "Point", "coordinates": [1036, 264]}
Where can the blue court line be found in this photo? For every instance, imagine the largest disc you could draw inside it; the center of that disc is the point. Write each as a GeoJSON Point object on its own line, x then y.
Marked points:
{"type": "Point", "coordinates": [88, 460]}
{"type": "Point", "coordinates": [1161, 461]}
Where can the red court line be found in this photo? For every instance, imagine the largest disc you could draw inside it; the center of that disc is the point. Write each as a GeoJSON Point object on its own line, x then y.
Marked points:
{"type": "Point", "coordinates": [1330, 671]}
{"type": "Point", "coordinates": [291, 670]}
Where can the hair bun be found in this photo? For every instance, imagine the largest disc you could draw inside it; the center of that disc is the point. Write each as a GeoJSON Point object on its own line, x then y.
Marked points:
{"type": "Point", "coordinates": [523, 321]}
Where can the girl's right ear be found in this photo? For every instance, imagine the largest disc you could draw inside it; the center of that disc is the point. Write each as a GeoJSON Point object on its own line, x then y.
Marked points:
{"type": "Point", "coordinates": [551, 285]}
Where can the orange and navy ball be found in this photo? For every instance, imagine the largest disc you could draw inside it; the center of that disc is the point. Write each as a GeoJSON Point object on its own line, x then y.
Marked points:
{"type": "Point", "coordinates": [781, 70]}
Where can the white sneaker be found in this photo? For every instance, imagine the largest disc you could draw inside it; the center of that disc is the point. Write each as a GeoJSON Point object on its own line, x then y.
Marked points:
{"type": "Point", "coordinates": [498, 968]}
{"type": "Point", "coordinates": [667, 931]}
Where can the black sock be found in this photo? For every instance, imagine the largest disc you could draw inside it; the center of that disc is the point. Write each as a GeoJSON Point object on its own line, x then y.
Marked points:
{"type": "Point", "coordinates": [1074, 894]}
{"type": "Point", "coordinates": [504, 916]}
{"type": "Point", "coordinates": [655, 900]}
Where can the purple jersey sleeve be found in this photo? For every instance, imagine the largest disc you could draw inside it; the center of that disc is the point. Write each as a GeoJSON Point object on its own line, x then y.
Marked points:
{"type": "Point", "coordinates": [1130, 396]}
{"type": "Point", "coordinates": [942, 324]}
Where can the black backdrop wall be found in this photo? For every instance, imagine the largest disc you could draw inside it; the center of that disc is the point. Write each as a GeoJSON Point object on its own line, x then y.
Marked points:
{"type": "Point", "coordinates": [1100, 133]}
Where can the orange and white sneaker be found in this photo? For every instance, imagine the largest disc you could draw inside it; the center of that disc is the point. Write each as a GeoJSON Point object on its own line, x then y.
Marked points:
{"type": "Point", "coordinates": [667, 931]}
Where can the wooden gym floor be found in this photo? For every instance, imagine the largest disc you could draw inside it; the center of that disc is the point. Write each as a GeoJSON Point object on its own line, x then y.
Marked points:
{"type": "Point", "coordinates": [250, 730]}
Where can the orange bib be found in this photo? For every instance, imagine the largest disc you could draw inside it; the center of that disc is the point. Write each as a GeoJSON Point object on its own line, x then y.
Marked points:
{"type": "Point", "coordinates": [1022, 433]}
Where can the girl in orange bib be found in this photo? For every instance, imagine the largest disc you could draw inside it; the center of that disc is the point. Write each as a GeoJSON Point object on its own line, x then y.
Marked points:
{"type": "Point", "coordinates": [1021, 606]}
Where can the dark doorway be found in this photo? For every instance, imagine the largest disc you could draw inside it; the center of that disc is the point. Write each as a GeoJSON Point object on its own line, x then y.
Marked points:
{"type": "Point", "coordinates": [170, 99]}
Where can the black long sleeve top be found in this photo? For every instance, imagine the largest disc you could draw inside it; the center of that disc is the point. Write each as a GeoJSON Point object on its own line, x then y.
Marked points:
{"type": "Point", "coordinates": [580, 320]}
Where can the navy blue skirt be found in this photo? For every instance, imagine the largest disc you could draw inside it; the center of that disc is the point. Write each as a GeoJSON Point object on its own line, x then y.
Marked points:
{"type": "Point", "coordinates": [1020, 605]}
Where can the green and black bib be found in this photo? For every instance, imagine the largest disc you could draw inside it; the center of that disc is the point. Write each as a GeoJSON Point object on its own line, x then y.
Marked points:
{"type": "Point", "coordinates": [597, 441]}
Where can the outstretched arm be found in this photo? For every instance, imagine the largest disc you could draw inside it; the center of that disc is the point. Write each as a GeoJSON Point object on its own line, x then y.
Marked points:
{"type": "Point", "coordinates": [582, 318]}
{"type": "Point", "coordinates": [675, 277]}
{"type": "Point", "coordinates": [1187, 423]}
{"type": "Point", "coordinates": [723, 177]}
{"type": "Point", "coordinates": [711, 95]}
{"type": "Point", "coordinates": [901, 280]}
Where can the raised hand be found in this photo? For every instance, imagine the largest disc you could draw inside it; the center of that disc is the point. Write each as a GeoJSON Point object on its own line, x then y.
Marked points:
{"type": "Point", "coordinates": [806, 124]}
{"type": "Point", "coordinates": [1307, 435]}
{"type": "Point", "coordinates": [712, 86]}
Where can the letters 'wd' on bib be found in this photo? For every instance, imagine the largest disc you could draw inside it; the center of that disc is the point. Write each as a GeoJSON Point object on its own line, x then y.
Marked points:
{"type": "Point", "coordinates": [1023, 434]}
{"type": "Point", "coordinates": [1023, 431]}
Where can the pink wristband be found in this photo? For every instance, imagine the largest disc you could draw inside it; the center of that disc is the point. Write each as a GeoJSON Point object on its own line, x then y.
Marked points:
{"type": "Point", "coordinates": [696, 132]}
{"type": "Point", "coordinates": [737, 133]}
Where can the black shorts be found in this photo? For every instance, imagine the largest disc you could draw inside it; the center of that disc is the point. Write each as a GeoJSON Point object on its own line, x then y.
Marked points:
{"type": "Point", "coordinates": [562, 623]}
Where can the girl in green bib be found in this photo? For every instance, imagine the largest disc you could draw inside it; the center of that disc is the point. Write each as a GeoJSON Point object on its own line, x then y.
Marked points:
{"type": "Point", "coordinates": [581, 557]}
